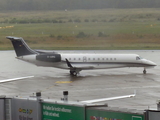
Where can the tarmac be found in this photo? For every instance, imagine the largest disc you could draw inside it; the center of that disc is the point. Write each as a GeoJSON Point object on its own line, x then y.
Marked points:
{"type": "Point", "coordinates": [89, 84]}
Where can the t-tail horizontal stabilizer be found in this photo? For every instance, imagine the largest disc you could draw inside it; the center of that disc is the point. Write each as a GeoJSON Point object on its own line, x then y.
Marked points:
{"type": "Point", "coordinates": [20, 46]}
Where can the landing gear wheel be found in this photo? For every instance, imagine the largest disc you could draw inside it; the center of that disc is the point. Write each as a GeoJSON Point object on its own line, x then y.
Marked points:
{"type": "Point", "coordinates": [144, 71]}
{"type": "Point", "coordinates": [73, 73]}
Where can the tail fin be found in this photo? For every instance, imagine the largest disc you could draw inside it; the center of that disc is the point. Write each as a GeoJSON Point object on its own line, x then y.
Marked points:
{"type": "Point", "coordinates": [20, 46]}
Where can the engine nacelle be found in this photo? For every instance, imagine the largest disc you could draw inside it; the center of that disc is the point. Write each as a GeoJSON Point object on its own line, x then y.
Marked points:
{"type": "Point", "coordinates": [49, 57]}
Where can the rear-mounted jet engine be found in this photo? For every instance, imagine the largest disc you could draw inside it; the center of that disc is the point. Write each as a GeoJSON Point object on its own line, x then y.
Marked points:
{"type": "Point", "coordinates": [49, 57]}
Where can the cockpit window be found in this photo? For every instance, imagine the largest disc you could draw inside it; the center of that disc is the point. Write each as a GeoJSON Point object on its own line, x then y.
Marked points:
{"type": "Point", "coordinates": [138, 58]}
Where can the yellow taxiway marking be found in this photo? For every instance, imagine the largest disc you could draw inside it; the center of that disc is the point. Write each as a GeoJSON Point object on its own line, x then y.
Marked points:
{"type": "Point", "coordinates": [58, 82]}
{"type": "Point", "coordinates": [63, 82]}
{"type": "Point", "coordinates": [43, 90]}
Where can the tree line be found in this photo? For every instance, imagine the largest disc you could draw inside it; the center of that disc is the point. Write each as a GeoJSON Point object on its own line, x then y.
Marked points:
{"type": "Point", "coordinates": [27, 5]}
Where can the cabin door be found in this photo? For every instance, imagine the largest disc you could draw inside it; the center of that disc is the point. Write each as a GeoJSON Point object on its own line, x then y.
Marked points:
{"type": "Point", "coordinates": [84, 59]}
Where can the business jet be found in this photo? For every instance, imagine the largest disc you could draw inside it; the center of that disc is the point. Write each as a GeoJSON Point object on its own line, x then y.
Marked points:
{"type": "Point", "coordinates": [76, 62]}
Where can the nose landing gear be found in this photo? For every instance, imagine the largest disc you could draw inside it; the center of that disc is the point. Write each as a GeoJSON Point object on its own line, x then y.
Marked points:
{"type": "Point", "coordinates": [144, 71]}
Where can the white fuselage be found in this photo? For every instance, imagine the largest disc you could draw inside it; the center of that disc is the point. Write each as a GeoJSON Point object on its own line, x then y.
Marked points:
{"type": "Point", "coordinates": [93, 61]}
{"type": "Point", "coordinates": [76, 62]}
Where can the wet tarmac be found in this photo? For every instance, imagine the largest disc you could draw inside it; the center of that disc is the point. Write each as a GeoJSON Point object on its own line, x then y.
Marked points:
{"type": "Point", "coordinates": [89, 84]}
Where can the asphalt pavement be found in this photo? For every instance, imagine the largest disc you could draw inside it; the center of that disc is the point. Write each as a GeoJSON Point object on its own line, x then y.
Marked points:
{"type": "Point", "coordinates": [89, 84]}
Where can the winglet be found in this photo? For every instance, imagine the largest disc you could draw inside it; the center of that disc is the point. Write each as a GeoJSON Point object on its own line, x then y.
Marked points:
{"type": "Point", "coordinates": [68, 63]}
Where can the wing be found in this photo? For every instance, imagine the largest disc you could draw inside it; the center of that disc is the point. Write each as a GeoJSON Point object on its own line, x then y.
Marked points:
{"type": "Point", "coordinates": [14, 79]}
{"type": "Point", "coordinates": [79, 67]}
{"type": "Point", "coordinates": [111, 98]}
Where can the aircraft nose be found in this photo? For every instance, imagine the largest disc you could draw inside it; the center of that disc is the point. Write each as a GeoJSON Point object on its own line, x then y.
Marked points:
{"type": "Point", "coordinates": [150, 63]}
{"type": "Point", "coordinates": [154, 64]}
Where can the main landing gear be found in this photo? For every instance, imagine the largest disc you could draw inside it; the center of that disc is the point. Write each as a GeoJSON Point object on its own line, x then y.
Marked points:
{"type": "Point", "coordinates": [73, 73]}
{"type": "Point", "coordinates": [144, 71]}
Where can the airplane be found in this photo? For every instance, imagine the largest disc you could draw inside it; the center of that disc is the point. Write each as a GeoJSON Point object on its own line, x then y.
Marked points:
{"type": "Point", "coordinates": [76, 62]}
